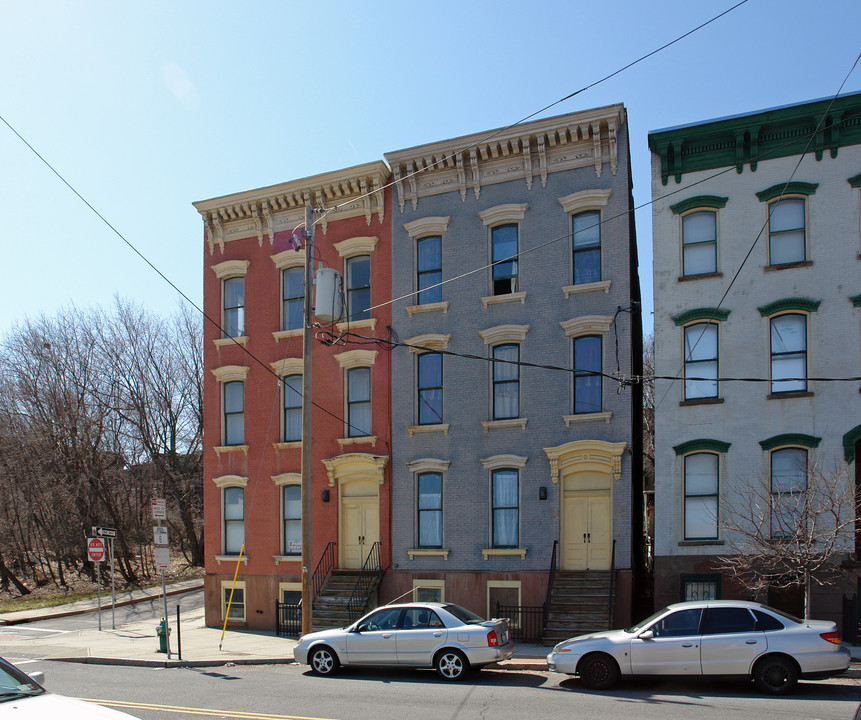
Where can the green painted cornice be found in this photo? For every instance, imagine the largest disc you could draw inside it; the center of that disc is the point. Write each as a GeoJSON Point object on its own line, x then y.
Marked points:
{"type": "Point", "coordinates": [790, 439]}
{"type": "Point", "coordinates": [709, 201]}
{"type": "Point", "coordinates": [802, 304]}
{"type": "Point", "coordinates": [708, 314]}
{"type": "Point", "coordinates": [791, 188]}
{"type": "Point", "coordinates": [700, 445]}
{"type": "Point", "coordinates": [850, 440]}
{"type": "Point", "coordinates": [764, 135]}
{"type": "Point", "coordinates": [855, 181]}
{"type": "Point", "coordinates": [856, 300]}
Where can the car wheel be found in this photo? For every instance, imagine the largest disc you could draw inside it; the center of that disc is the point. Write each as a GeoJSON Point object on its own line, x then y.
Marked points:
{"type": "Point", "coordinates": [775, 675]}
{"type": "Point", "coordinates": [451, 665]}
{"type": "Point", "coordinates": [598, 671]}
{"type": "Point", "coordinates": [323, 660]}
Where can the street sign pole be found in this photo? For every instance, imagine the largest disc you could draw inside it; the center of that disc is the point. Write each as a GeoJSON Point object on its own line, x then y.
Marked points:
{"type": "Point", "coordinates": [99, 586]}
{"type": "Point", "coordinates": [113, 588]}
{"type": "Point", "coordinates": [159, 511]}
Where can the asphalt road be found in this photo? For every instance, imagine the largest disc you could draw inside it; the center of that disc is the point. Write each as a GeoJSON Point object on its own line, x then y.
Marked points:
{"type": "Point", "coordinates": [281, 692]}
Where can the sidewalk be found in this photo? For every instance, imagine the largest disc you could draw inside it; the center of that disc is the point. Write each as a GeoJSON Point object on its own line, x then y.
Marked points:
{"type": "Point", "coordinates": [137, 644]}
{"type": "Point", "coordinates": [200, 646]}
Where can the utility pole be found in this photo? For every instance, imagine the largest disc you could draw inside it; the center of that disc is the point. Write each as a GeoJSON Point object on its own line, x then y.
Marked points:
{"type": "Point", "coordinates": [307, 599]}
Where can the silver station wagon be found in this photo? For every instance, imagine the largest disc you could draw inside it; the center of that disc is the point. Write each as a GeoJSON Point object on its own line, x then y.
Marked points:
{"type": "Point", "coordinates": [712, 637]}
{"type": "Point", "coordinates": [443, 636]}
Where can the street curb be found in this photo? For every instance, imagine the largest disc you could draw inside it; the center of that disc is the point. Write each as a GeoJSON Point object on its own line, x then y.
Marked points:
{"type": "Point", "coordinates": [79, 611]}
{"type": "Point", "coordinates": [128, 662]}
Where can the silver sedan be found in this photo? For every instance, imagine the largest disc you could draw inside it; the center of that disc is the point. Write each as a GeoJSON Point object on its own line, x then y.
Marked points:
{"type": "Point", "coordinates": [444, 636]}
{"type": "Point", "coordinates": [712, 637]}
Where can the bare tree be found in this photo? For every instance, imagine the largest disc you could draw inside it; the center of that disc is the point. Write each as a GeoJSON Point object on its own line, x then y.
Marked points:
{"type": "Point", "coordinates": [789, 532]}
{"type": "Point", "coordinates": [99, 412]}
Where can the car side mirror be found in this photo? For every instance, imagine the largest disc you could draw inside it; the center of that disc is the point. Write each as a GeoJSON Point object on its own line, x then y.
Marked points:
{"type": "Point", "coordinates": [648, 635]}
{"type": "Point", "coordinates": [38, 677]}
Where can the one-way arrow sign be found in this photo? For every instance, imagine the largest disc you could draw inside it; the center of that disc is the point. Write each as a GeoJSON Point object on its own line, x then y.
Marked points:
{"type": "Point", "coordinates": [104, 532]}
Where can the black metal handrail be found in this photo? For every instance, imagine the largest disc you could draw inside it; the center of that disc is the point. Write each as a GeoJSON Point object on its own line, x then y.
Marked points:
{"type": "Point", "coordinates": [288, 619]}
{"type": "Point", "coordinates": [550, 577]}
{"type": "Point", "coordinates": [370, 571]}
{"type": "Point", "coordinates": [612, 581]}
{"type": "Point", "coordinates": [323, 570]}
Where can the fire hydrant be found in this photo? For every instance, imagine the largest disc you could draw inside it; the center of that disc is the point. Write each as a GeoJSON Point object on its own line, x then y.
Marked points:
{"type": "Point", "coordinates": [161, 633]}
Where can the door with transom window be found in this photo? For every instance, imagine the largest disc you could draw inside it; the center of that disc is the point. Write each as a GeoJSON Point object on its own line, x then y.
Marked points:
{"type": "Point", "coordinates": [360, 523]}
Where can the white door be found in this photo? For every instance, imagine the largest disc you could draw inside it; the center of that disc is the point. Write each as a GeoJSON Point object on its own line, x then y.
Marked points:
{"type": "Point", "coordinates": [587, 531]}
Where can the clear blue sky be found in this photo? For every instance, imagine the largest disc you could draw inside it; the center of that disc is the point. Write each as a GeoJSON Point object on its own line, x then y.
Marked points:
{"type": "Point", "coordinates": [146, 107]}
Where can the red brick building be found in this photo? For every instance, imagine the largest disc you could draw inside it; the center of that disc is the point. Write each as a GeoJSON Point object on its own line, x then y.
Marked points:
{"type": "Point", "coordinates": [253, 299]}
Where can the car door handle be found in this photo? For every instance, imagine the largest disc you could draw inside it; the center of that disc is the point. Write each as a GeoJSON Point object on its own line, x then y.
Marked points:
{"type": "Point", "coordinates": [387, 635]}
{"type": "Point", "coordinates": [687, 644]}
{"type": "Point", "coordinates": [750, 642]}
{"type": "Point", "coordinates": [437, 634]}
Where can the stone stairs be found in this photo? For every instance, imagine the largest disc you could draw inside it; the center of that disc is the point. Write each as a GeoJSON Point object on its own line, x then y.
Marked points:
{"type": "Point", "coordinates": [330, 608]}
{"type": "Point", "coordinates": [579, 603]}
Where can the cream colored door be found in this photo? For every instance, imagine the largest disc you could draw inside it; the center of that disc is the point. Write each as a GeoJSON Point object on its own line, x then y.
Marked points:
{"type": "Point", "coordinates": [587, 531]}
{"type": "Point", "coordinates": [360, 529]}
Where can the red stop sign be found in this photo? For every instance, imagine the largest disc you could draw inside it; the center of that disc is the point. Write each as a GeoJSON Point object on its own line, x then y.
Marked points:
{"type": "Point", "coordinates": [96, 549]}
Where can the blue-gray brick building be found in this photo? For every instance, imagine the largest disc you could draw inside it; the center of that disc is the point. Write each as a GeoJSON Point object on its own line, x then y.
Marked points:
{"type": "Point", "coordinates": [516, 436]}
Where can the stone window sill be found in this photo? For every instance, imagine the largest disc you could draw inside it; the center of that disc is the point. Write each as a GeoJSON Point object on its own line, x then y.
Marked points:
{"type": "Point", "coordinates": [570, 290]}
{"type": "Point", "coordinates": [494, 424]}
{"type": "Point", "coordinates": [789, 266]}
{"type": "Point", "coordinates": [506, 298]}
{"type": "Point", "coordinates": [701, 276]}
{"type": "Point", "coordinates": [587, 417]}
{"type": "Point", "coordinates": [226, 342]}
{"type": "Point", "coordinates": [365, 440]}
{"type": "Point", "coordinates": [698, 543]}
{"type": "Point", "coordinates": [428, 552]}
{"type": "Point", "coordinates": [369, 323]}
{"type": "Point", "coordinates": [282, 334]}
{"type": "Point", "coordinates": [701, 401]}
{"type": "Point", "coordinates": [231, 449]}
{"type": "Point", "coordinates": [786, 396]}
{"type": "Point", "coordinates": [427, 307]}
{"type": "Point", "coordinates": [231, 559]}
{"type": "Point", "coordinates": [297, 445]}
{"type": "Point", "coordinates": [286, 558]}
{"type": "Point", "coordinates": [504, 552]}
{"type": "Point", "coordinates": [414, 429]}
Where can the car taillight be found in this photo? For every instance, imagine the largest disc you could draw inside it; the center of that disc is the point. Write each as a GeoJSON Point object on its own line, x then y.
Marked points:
{"type": "Point", "coordinates": [492, 639]}
{"type": "Point", "coordinates": [832, 637]}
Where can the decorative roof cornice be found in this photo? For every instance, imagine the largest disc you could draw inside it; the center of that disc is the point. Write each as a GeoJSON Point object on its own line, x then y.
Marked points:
{"type": "Point", "coordinates": [764, 135]}
{"type": "Point", "coordinates": [708, 314]}
{"type": "Point", "coordinates": [855, 180]}
{"type": "Point", "coordinates": [524, 151]}
{"type": "Point", "coordinates": [701, 445]}
{"type": "Point", "coordinates": [808, 441]}
{"type": "Point", "coordinates": [356, 191]}
{"type": "Point", "coordinates": [801, 304]}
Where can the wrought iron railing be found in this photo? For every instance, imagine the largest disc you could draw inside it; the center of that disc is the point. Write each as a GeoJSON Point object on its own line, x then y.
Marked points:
{"type": "Point", "coordinates": [288, 619]}
{"type": "Point", "coordinates": [368, 578]}
{"type": "Point", "coordinates": [611, 603]}
{"type": "Point", "coordinates": [551, 576]}
{"type": "Point", "coordinates": [526, 622]}
{"type": "Point", "coordinates": [322, 571]}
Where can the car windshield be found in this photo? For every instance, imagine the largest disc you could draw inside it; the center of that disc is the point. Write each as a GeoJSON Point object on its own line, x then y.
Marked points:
{"type": "Point", "coordinates": [15, 684]}
{"type": "Point", "coordinates": [648, 621]}
{"type": "Point", "coordinates": [467, 617]}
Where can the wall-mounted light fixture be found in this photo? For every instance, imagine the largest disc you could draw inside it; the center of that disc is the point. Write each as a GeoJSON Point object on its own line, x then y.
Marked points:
{"type": "Point", "coordinates": [325, 495]}
{"type": "Point", "coordinates": [542, 493]}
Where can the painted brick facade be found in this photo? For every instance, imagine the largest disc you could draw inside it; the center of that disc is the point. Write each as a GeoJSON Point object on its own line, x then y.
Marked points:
{"type": "Point", "coordinates": [733, 160]}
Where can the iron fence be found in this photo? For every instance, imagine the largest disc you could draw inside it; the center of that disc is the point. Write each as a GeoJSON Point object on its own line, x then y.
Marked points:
{"type": "Point", "coordinates": [288, 619]}
{"type": "Point", "coordinates": [851, 620]}
{"type": "Point", "coordinates": [526, 621]}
